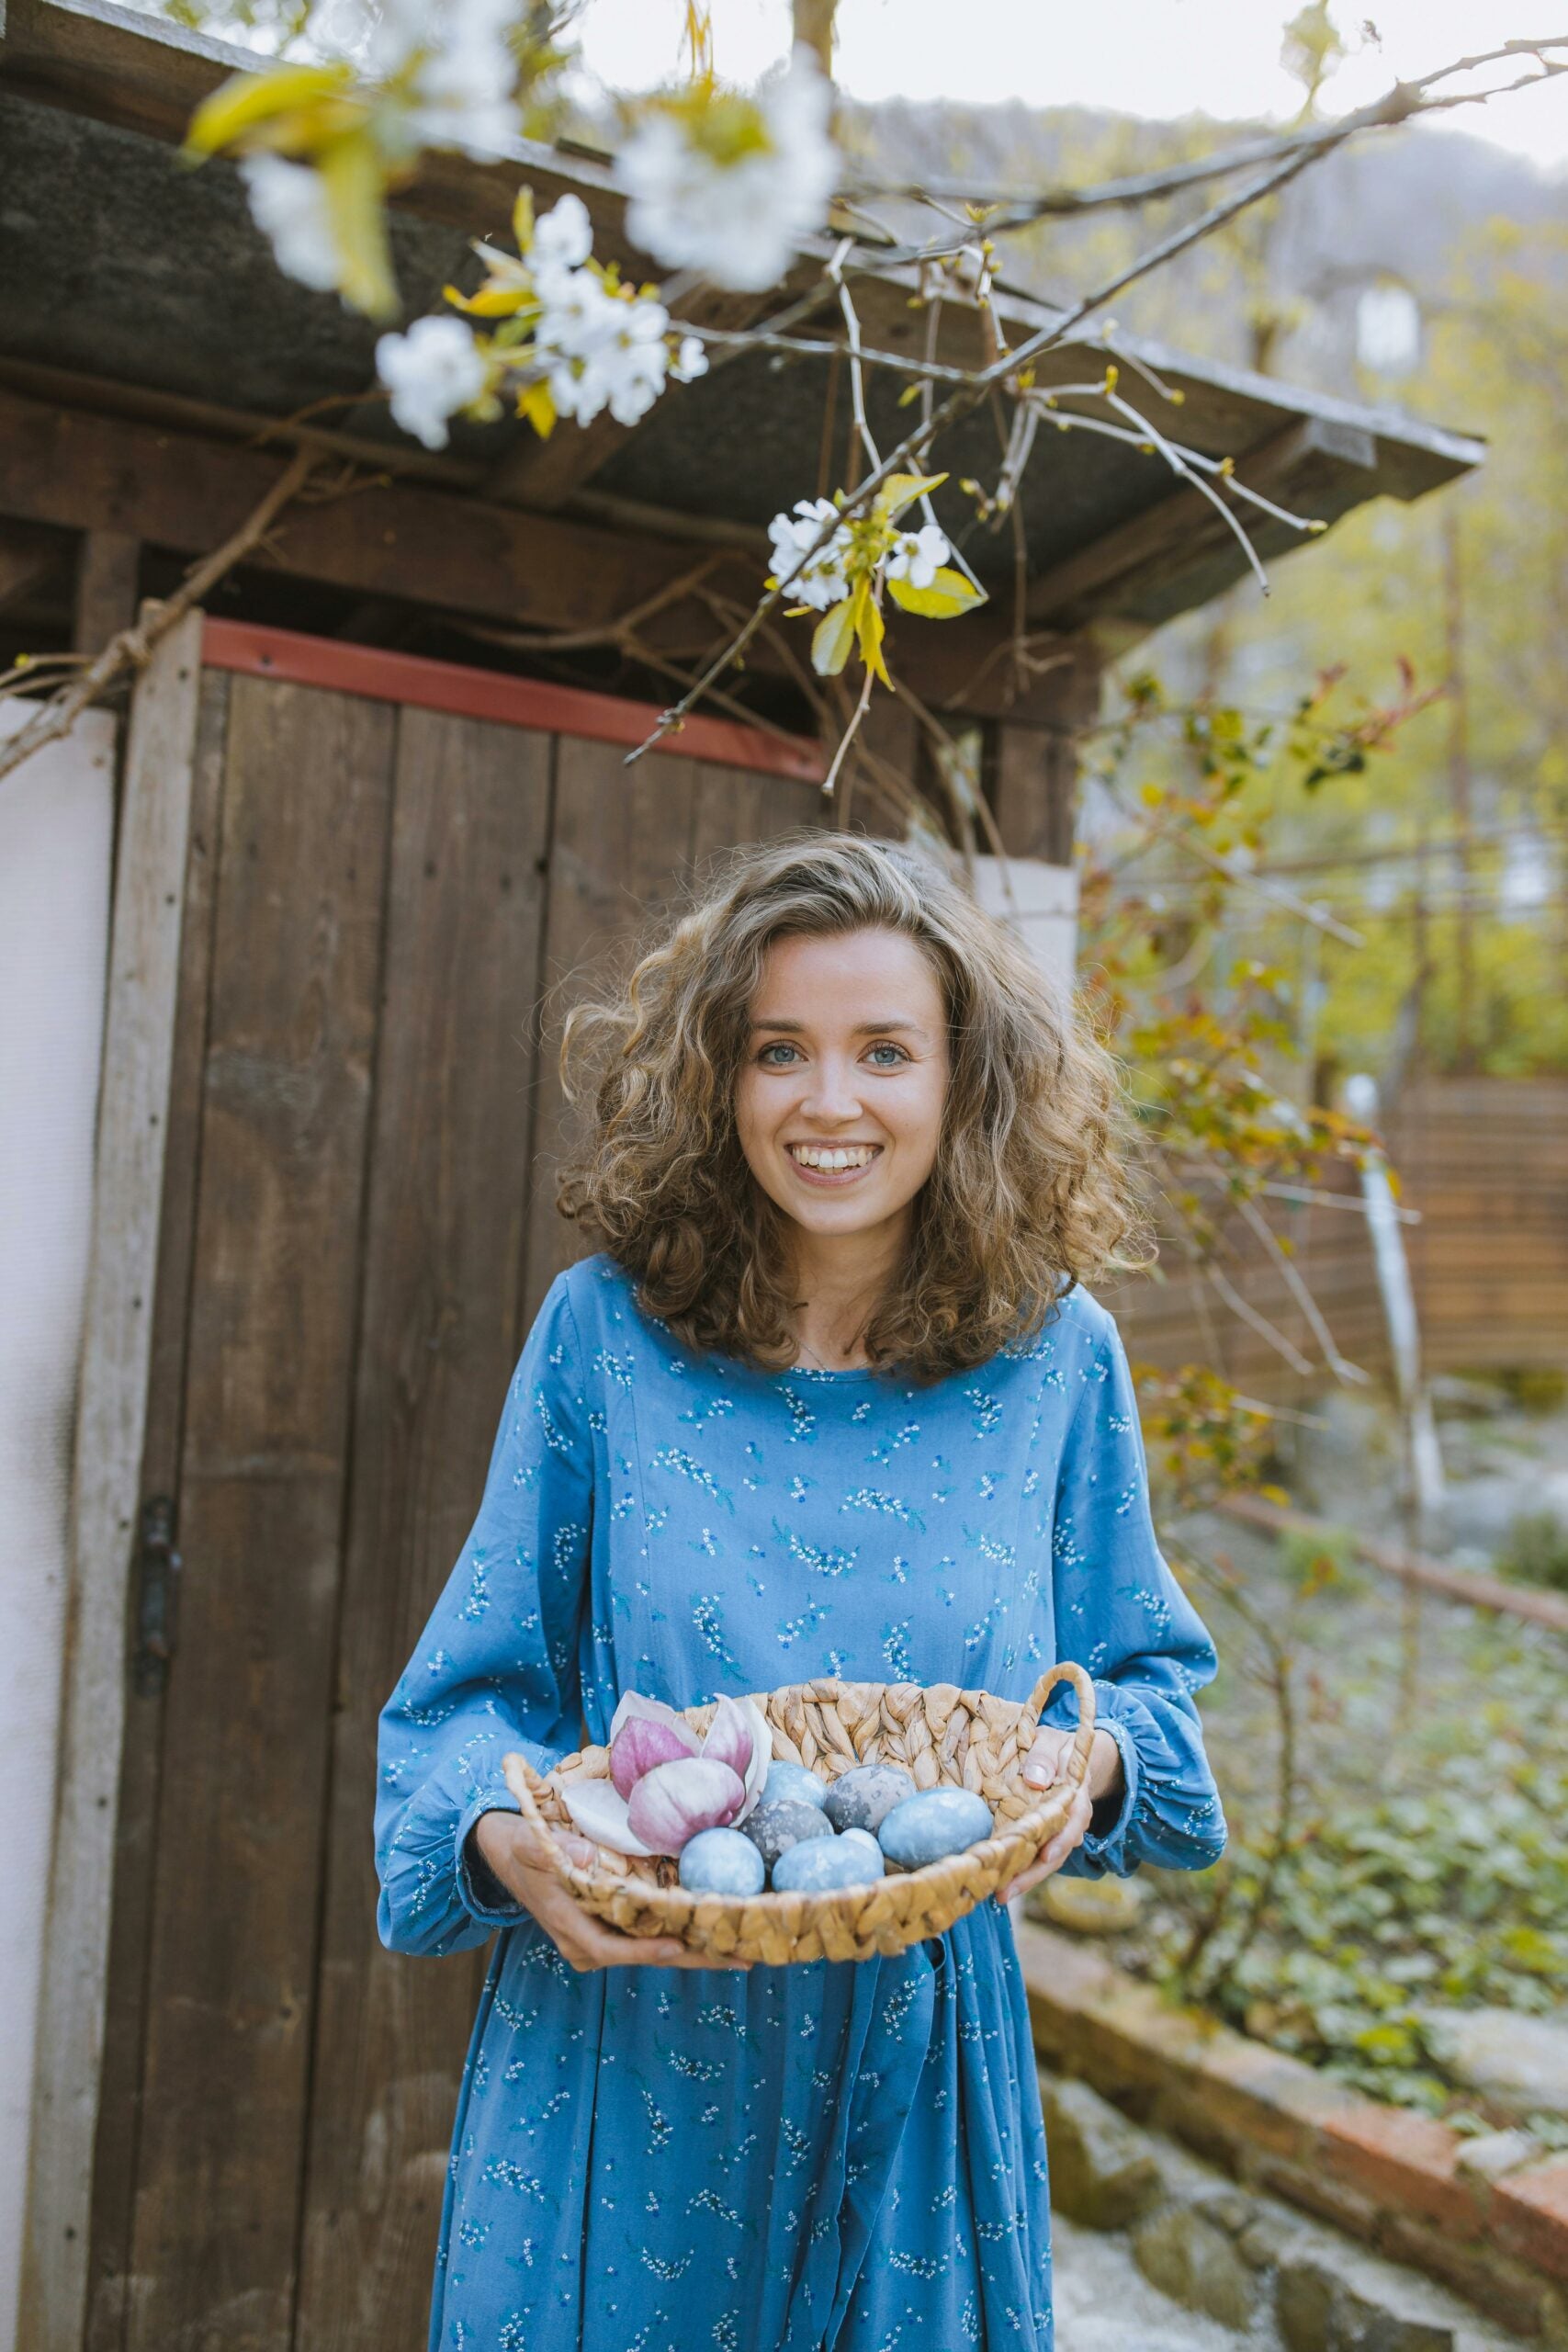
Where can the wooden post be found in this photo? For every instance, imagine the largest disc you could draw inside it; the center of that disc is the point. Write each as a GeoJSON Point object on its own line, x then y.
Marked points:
{"type": "Point", "coordinates": [106, 570]}
{"type": "Point", "coordinates": [1036, 765]}
{"type": "Point", "coordinates": [111, 1413]}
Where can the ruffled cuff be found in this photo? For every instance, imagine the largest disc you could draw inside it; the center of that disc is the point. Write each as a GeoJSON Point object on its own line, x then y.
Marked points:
{"type": "Point", "coordinates": [1105, 1841]}
{"type": "Point", "coordinates": [1171, 1811]}
{"type": "Point", "coordinates": [432, 1900]}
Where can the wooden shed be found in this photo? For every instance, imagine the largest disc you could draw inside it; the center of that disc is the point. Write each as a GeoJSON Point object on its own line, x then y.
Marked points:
{"type": "Point", "coordinates": [366, 816]}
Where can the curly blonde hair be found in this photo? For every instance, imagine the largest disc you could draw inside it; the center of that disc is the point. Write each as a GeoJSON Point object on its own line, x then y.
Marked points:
{"type": "Point", "coordinates": [1029, 1194]}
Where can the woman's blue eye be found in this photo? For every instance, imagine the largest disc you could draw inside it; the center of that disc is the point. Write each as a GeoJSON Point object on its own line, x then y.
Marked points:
{"type": "Point", "coordinates": [767, 1050]}
{"type": "Point", "coordinates": [897, 1051]}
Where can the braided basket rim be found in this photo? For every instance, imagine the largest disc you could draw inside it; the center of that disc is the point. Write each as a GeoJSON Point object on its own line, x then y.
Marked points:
{"type": "Point", "coordinates": [883, 1917]}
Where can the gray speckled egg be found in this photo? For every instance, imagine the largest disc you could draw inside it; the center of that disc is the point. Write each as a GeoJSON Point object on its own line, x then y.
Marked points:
{"type": "Point", "coordinates": [774, 1828]}
{"type": "Point", "coordinates": [863, 1797]}
{"type": "Point", "coordinates": [823, 1865]}
{"type": "Point", "coordinates": [937, 1822]}
{"type": "Point", "coordinates": [721, 1861]}
{"type": "Point", "coordinates": [787, 1780]}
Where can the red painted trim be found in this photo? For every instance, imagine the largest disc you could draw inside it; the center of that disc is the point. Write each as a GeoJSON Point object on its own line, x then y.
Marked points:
{"type": "Point", "coordinates": [328, 661]}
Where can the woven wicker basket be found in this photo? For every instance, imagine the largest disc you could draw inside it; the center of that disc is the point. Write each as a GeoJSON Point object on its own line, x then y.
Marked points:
{"type": "Point", "coordinates": [941, 1735]}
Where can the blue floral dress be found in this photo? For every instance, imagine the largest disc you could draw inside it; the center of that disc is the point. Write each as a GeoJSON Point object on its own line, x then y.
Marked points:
{"type": "Point", "coordinates": [831, 2154]}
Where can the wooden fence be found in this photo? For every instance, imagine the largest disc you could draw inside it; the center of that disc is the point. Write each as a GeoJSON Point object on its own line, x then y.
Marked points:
{"type": "Point", "coordinates": [1484, 1163]}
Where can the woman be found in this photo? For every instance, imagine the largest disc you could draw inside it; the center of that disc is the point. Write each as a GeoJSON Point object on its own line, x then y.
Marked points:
{"type": "Point", "coordinates": [828, 1400]}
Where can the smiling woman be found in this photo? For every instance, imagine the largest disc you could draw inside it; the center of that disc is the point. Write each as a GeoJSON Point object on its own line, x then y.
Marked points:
{"type": "Point", "coordinates": [827, 1404]}
{"type": "Point", "coordinates": [830, 995]}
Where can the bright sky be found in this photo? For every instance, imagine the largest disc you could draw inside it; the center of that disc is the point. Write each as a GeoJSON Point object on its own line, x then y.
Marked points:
{"type": "Point", "coordinates": [1148, 57]}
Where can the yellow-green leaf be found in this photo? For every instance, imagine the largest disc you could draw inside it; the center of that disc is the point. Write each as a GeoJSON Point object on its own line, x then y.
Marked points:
{"type": "Point", "coordinates": [831, 639]}
{"type": "Point", "coordinates": [901, 490]}
{"type": "Point", "coordinates": [351, 170]}
{"type": "Point", "coordinates": [522, 220]}
{"type": "Point", "coordinates": [870, 630]}
{"type": "Point", "coordinates": [245, 101]}
{"type": "Point", "coordinates": [949, 595]}
{"type": "Point", "coordinates": [496, 300]}
{"type": "Point", "coordinates": [533, 402]}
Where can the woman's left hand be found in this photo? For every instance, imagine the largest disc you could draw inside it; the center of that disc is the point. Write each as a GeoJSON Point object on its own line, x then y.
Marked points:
{"type": "Point", "coordinates": [1045, 1764]}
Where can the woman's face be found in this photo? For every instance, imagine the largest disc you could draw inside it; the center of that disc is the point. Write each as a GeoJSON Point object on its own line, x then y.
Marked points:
{"type": "Point", "coordinates": [840, 1100]}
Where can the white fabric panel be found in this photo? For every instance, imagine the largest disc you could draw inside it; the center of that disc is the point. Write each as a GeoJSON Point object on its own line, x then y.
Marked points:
{"type": "Point", "coordinates": [56, 818]}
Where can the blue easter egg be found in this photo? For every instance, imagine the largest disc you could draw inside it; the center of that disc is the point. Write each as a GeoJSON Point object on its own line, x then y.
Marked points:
{"type": "Point", "coordinates": [720, 1862]}
{"type": "Point", "coordinates": [787, 1780]}
{"type": "Point", "coordinates": [823, 1865]}
{"type": "Point", "coordinates": [865, 1844]}
{"type": "Point", "coordinates": [936, 1823]}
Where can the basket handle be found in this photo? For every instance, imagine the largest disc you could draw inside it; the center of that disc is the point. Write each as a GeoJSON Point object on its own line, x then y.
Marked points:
{"type": "Point", "coordinates": [522, 1780]}
{"type": "Point", "coordinates": [1066, 1670]}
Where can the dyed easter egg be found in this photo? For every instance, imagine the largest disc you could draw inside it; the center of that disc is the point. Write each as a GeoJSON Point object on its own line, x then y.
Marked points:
{"type": "Point", "coordinates": [938, 1822]}
{"type": "Point", "coordinates": [823, 1865]}
{"type": "Point", "coordinates": [865, 1843]}
{"type": "Point", "coordinates": [787, 1780]}
{"type": "Point", "coordinates": [773, 1828]}
{"type": "Point", "coordinates": [863, 1797]}
{"type": "Point", "coordinates": [721, 1861]}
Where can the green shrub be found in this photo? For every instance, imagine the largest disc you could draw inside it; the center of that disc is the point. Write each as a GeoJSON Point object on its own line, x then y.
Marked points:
{"type": "Point", "coordinates": [1535, 1550]}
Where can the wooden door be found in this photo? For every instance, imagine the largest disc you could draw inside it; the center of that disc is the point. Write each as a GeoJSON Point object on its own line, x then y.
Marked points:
{"type": "Point", "coordinates": [357, 1228]}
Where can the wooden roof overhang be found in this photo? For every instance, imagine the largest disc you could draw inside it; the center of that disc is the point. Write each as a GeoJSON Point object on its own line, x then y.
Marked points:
{"type": "Point", "coordinates": [146, 336]}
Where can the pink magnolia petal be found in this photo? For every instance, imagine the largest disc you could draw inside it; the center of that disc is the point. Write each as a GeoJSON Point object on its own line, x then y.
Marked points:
{"type": "Point", "coordinates": [654, 1711]}
{"type": "Point", "coordinates": [674, 1801]}
{"type": "Point", "coordinates": [730, 1738]}
{"type": "Point", "coordinates": [642, 1743]}
{"type": "Point", "coordinates": [599, 1810]}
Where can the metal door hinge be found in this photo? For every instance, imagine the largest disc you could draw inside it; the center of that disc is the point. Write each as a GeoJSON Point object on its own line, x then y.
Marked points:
{"type": "Point", "coordinates": [157, 1596]}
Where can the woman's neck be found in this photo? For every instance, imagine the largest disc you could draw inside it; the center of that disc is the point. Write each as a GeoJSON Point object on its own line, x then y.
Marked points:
{"type": "Point", "coordinates": [838, 1280]}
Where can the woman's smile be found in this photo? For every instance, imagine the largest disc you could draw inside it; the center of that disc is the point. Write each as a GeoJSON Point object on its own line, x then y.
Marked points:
{"type": "Point", "coordinates": [834, 1165]}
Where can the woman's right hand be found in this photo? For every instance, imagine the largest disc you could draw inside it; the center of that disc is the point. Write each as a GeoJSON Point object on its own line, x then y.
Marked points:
{"type": "Point", "coordinates": [509, 1846]}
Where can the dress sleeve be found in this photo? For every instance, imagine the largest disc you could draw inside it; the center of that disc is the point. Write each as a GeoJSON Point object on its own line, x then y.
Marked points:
{"type": "Point", "coordinates": [1120, 1613]}
{"type": "Point", "coordinates": [496, 1666]}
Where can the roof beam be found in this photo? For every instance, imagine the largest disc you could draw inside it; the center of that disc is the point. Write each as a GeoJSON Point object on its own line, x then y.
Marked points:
{"type": "Point", "coordinates": [447, 552]}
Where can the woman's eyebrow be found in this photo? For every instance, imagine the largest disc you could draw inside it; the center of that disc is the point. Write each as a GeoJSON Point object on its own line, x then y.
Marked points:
{"type": "Point", "coordinates": [861, 1028]}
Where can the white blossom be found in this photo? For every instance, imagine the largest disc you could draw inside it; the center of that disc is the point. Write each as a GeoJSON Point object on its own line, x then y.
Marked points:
{"type": "Point", "coordinates": [737, 221]}
{"type": "Point", "coordinates": [465, 74]}
{"type": "Point", "coordinates": [289, 203]}
{"type": "Point", "coordinates": [621, 368]}
{"type": "Point", "coordinates": [919, 556]}
{"type": "Point", "coordinates": [563, 237]}
{"type": "Point", "coordinates": [825, 580]}
{"type": "Point", "coordinates": [432, 372]}
{"type": "Point", "coordinates": [690, 362]}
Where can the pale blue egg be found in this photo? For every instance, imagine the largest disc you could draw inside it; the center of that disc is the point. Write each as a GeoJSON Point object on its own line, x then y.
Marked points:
{"type": "Point", "coordinates": [720, 1862]}
{"type": "Point", "coordinates": [865, 1844]}
{"type": "Point", "coordinates": [936, 1823]}
{"type": "Point", "coordinates": [787, 1780]}
{"type": "Point", "coordinates": [824, 1865]}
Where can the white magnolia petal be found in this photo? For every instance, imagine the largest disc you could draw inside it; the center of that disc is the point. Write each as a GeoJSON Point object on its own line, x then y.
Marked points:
{"type": "Point", "coordinates": [599, 1810]}
{"type": "Point", "coordinates": [731, 1738]}
{"type": "Point", "coordinates": [761, 1755]}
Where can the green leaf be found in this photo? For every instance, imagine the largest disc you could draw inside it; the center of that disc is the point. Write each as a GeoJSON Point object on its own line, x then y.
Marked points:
{"type": "Point", "coordinates": [245, 101]}
{"type": "Point", "coordinates": [902, 490]}
{"type": "Point", "coordinates": [351, 170]}
{"type": "Point", "coordinates": [831, 639]}
{"type": "Point", "coordinates": [522, 220]}
{"type": "Point", "coordinates": [949, 595]}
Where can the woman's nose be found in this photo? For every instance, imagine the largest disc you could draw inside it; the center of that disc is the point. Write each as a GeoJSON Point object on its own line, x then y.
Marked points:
{"type": "Point", "coordinates": [833, 1096]}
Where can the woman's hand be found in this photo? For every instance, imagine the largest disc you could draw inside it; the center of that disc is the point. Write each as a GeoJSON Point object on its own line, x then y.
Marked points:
{"type": "Point", "coordinates": [1045, 1764]}
{"type": "Point", "coordinates": [509, 1846]}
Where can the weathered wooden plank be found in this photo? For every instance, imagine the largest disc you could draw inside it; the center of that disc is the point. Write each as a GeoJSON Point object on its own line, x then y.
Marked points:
{"type": "Point", "coordinates": [119, 2106]}
{"type": "Point", "coordinates": [439, 1337]}
{"type": "Point", "coordinates": [108, 565]}
{"type": "Point", "coordinates": [295, 972]}
{"type": "Point", "coordinates": [620, 838]}
{"type": "Point", "coordinates": [144, 958]}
